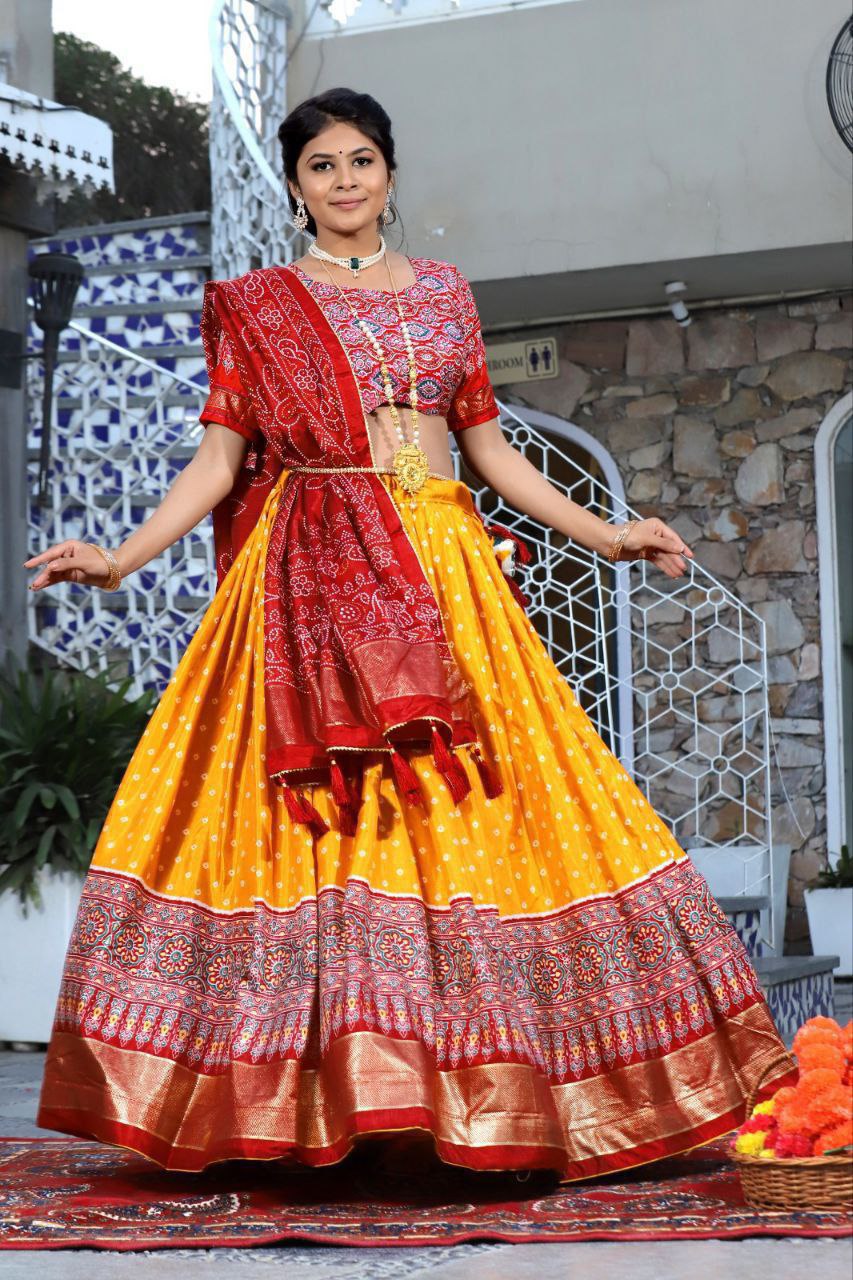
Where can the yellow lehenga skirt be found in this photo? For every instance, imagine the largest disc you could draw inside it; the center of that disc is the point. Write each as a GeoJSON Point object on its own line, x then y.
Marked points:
{"type": "Point", "coordinates": [541, 979]}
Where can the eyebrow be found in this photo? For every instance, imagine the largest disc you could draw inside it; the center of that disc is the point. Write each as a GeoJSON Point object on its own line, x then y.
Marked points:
{"type": "Point", "coordinates": [327, 155]}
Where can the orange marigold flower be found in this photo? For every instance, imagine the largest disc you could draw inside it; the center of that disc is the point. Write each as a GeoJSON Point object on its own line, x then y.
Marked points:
{"type": "Point", "coordinates": [827, 1111]}
{"type": "Point", "coordinates": [816, 1028]}
{"type": "Point", "coordinates": [830, 1024]}
{"type": "Point", "coordinates": [783, 1096]}
{"type": "Point", "coordinates": [813, 1083]}
{"type": "Point", "coordinates": [839, 1136]}
{"type": "Point", "coordinates": [815, 1054]}
{"type": "Point", "coordinates": [791, 1119]}
{"type": "Point", "coordinates": [818, 1036]}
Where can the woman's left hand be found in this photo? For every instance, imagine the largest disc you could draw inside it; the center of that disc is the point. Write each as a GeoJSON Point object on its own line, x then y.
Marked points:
{"type": "Point", "coordinates": [654, 541]}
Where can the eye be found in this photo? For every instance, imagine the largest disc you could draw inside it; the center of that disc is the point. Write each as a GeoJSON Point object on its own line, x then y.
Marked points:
{"type": "Point", "coordinates": [319, 165]}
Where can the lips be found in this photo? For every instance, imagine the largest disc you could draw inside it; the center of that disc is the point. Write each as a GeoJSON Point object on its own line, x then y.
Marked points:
{"type": "Point", "coordinates": [347, 204]}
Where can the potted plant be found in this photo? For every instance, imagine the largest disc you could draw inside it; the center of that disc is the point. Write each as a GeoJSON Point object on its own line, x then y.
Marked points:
{"type": "Point", "coordinates": [65, 740]}
{"type": "Point", "coordinates": [829, 907]}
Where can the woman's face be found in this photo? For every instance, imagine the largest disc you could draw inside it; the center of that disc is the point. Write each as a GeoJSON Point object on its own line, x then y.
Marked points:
{"type": "Point", "coordinates": [343, 178]}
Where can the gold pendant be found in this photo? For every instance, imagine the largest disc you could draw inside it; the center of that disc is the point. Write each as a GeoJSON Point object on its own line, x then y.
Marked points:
{"type": "Point", "coordinates": [411, 467]}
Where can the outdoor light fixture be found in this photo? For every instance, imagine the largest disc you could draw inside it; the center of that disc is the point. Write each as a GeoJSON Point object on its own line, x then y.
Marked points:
{"type": "Point", "coordinates": [56, 278]}
{"type": "Point", "coordinates": [674, 290]}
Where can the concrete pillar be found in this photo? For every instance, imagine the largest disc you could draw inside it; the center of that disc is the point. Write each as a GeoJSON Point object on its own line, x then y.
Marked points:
{"type": "Point", "coordinates": [26, 61]}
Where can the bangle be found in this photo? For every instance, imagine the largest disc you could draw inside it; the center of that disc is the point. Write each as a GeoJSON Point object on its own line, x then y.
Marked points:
{"type": "Point", "coordinates": [619, 540]}
{"type": "Point", "coordinates": [113, 581]}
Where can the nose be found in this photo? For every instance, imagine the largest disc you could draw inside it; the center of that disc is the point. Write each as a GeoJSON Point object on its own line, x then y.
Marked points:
{"type": "Point", "coordinates": [348, 177]}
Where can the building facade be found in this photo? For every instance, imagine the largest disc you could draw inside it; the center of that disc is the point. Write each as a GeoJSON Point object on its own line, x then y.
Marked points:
{"type": "Point", "coordinates": [576, 159]}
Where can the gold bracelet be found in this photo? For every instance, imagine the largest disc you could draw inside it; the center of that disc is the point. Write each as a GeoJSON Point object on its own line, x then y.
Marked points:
{"type": "Point", "coordinates": [113, 581]}
{"type": "Point", "coordinates": [619, 540]}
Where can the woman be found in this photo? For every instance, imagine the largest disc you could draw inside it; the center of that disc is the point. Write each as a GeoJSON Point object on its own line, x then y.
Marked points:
{"type": "Point", "coordinates": [370, 868]}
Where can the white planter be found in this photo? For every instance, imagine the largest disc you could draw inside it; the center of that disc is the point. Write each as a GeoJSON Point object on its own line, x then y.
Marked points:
{"type": "Point", "coordinates": [830, 913]}
{"type": "Point", "coordinates": [32, 953]}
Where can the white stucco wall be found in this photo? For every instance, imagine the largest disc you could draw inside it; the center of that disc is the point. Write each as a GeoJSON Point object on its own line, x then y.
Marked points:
{"type": "Point", "coordinates": [552, 141]}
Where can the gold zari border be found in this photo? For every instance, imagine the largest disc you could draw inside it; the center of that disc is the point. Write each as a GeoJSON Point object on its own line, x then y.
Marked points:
{"type": "Point", "coordinates": [494, 1105]}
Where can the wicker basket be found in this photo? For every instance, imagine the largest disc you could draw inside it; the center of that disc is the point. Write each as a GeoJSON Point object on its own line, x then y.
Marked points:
{"type": "Point", "coordinates": [802, 1182]}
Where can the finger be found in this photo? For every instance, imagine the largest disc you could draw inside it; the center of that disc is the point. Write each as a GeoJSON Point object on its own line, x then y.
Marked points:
{"type": "Point", "coordinates": [60, 570]}
{"type": "Point", "coordinates": [667, 541]}
{"type": "Point", "coordinates": [679, 543]}
{"type": "Point", "coordinates": [52, 553]}
{"type": "Point", "coordinates": [673, 565]}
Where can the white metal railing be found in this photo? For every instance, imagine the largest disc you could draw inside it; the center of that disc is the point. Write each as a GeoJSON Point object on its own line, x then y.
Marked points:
{"type": "Point", "coordinates": [122, 429]}
{"type": "Point", "coordinates": [250, 217]}
{"type": "Point", "coordinates": [353, 17]}
{"type": "Point", "coordinates": [672, 672]}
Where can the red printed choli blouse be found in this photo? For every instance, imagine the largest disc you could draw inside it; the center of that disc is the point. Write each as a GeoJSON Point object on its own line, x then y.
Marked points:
{"type": "Point", "coordinates": [444, 326]}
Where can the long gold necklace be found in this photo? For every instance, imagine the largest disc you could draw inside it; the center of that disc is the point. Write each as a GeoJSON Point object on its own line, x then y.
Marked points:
{"type": "Point", "coordinates": [410, 463]}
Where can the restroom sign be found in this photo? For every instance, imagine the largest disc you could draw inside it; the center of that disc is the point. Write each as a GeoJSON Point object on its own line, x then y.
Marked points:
{"type": "Point", "coordinates": [522, 361]}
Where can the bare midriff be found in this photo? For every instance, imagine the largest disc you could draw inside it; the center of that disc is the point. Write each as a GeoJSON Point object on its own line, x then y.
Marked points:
{"type": "Point", "coordinates": [433, 431]}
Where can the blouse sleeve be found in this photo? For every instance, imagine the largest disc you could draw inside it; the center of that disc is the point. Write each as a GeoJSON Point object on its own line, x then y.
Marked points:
{"type": "Point", "coordinates": [474, 400]}
{"type": "Point", "coordinates": [227, 402]}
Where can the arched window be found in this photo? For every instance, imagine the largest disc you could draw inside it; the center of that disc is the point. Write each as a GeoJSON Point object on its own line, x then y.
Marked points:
{"type": "Point", "coordinates": [834, 496]}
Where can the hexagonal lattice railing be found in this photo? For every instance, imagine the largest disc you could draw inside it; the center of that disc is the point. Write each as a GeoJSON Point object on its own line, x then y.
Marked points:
{"type": "Point", "coordinates": [250, 217]}
{"type": "Point", "coordinates": [122, 429]}
{"type": "Point", "coordinates": [673, 673]}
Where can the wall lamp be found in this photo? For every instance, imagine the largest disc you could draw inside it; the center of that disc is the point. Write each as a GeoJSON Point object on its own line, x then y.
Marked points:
{"type": "Point", "coordinates": [56, 278]}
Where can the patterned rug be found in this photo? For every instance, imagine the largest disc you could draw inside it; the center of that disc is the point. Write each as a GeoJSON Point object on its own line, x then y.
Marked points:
{"type": "Point", "coordinates": [57, 1193]}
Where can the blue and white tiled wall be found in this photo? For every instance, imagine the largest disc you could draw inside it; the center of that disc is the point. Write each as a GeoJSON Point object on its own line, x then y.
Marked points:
{"type": "Point", "coordinates": [793, 1003]}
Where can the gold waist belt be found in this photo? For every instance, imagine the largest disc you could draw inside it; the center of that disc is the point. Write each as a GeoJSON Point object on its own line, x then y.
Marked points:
{"type": "Point", "coordinates": [381, 471]}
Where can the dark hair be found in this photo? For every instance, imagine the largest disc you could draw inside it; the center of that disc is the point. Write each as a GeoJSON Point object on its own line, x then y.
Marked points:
{"type": "Point", "coordinates": [334, 106]}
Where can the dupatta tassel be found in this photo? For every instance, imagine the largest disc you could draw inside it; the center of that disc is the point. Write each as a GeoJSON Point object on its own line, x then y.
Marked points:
{"type": "Point", "coordinates": [406, 779]}
{"type": "Point", "coordinates": [348, 803]}
{"type": "Point", "coordinates": [492, 782]}
{"type": "Point", "coordinates": [302, 810]}
{"type": "Point", "coordinates": [450, 767]}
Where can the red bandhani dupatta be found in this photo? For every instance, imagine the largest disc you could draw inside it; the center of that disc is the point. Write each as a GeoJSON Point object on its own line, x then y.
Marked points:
{"type": "Point", "coordinates": [356, 658]}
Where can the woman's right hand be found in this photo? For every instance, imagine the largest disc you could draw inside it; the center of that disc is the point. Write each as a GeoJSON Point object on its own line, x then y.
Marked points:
{"type": "Point", "coordinates": [69, 561]}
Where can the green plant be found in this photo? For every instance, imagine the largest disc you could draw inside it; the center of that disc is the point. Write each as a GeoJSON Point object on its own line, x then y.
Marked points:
{"type": "Point", "coordinates": [838, 877]}
{"type": "Point", "coordinates": [66, 739]}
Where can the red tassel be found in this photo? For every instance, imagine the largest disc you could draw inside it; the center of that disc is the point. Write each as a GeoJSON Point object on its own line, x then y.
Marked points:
{"type": "Point", "coordinates": [524, 553]}
{"type": "Point", "coordinates": [406, 778]}
{"type": "Point", "coordinates": [450, 768]}
{"type": "Point", "coordinates": [348, 804]}
{"type": "Point", "coordinates": [302, 810]}
{"type": "Point", "coordinates": [313, 819]}
{"type": "Point", "coordinates": [516, 590]}
{"type": "Point", "coordinates": [492, 782]}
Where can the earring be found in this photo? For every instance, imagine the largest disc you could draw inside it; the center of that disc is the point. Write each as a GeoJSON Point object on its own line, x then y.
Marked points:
{"type": "Point", "coordinates": [300, 218]}
{"type": "Point", "coordinates": [386, 211]}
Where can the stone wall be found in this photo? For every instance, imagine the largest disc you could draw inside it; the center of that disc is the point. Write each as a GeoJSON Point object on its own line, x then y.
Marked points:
{"type": "Point", "coordinates": [713, 429]}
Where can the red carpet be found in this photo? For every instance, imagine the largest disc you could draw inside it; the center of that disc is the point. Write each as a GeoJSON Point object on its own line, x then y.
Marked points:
{"type": "Point", "coordinates": [58, 1193]}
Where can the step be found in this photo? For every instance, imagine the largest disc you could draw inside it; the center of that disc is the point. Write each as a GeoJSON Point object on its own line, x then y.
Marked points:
{"type": "Point", "coordinates": [174, 236]}
{"type": "Point", "coordinates": [163, 221]}
{"type": "Point", "coordinates": [88, 310]}
{"type": "Point", "coordinates": [122, 453]}
{"type": "Point", "coordinates": [796, 988]}
{"type": "Point", "coordinates": [171, 332]}
{"type": "Point", "coordinates": [744, 912]}
{"type": "Point", "coordinates": [156, 352]}
{"type": "Point", "coordinates": [144, 266]}
{"type": "Point", "coordinates": [150, 288]}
